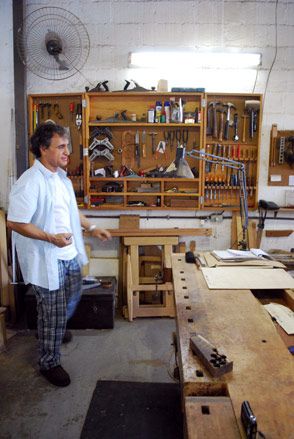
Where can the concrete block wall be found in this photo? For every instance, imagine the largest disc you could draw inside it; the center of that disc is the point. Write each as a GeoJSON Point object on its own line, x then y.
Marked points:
{"type": "Point", "coordinates": [6, 102]}
{"type": "Point", "coordinates": [118, 27]}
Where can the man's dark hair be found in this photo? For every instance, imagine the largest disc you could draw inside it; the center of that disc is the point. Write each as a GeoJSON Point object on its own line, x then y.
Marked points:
{"type": "Point", "coordinates": [43, 135]}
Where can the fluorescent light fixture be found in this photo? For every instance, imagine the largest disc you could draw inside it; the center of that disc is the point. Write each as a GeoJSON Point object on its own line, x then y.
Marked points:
{"type": "Point", "coordinates": [217, 60]}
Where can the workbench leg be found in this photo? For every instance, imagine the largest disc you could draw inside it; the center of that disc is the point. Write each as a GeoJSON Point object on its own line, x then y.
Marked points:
{"type": "Point", "coordinates": [129, 289]}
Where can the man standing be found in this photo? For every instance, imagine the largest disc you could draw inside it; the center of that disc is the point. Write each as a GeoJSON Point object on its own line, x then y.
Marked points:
{"type": "Point", "coordinates": [44, 216]}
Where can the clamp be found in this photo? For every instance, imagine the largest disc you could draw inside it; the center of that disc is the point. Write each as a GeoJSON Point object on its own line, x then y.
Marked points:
{"type": "Point", "coordinates": [103, 142]}
{"type": "Point", "coordinates": [160, 149]}
{"type": "Point", "coordinates": [104, 153]}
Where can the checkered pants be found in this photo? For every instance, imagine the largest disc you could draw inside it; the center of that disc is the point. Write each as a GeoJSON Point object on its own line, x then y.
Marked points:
{"type": "Point", "coordinates": [54, 309]}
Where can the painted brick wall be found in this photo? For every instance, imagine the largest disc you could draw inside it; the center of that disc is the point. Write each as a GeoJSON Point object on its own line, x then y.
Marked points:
{"type": "Point", "coordinates": [6, 102]}
{"type": "Point", "coordinates": [119, 27]}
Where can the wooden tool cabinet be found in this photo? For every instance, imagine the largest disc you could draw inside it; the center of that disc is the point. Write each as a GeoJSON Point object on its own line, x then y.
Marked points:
{"type": "Point", "coordinates": [221, 188]}
{"type": "Point", "coordinates": [214, 186]}
{"type": "Point", "coordinates": [63, 109]}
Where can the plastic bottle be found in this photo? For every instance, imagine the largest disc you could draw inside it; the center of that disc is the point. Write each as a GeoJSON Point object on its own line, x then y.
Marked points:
{"type": "Point", "coordinates": [151, 114]}
{"type": "Point", "coordinates": [167, 111]}
{"type": "Point", "coordinates": [158, 108]}
{"type": "Point", "coordinates": [162, 115]}
{"type": "Point", "coordinates": [181, 111]}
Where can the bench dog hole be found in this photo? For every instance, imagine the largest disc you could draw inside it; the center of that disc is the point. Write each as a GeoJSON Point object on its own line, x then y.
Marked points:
{"type": "Point", "coordinates": [205, 410]}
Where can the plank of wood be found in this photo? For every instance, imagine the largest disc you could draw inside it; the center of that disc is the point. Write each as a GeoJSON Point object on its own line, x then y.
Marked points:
{"type": "Point", "coordinates": [127, 222]}
{"type": "Point", "coordinates": [236, 322]}
{"type": "Point", "coordinates": [151, 240]}
{"type": "Point", "coordinates": [236, 278]}
{"type": "Point", "coordinates": [161, 232]}
{"type": "Point", "coordinates": [251, 233]}
{"type": "Point", "coordinates": [210, 417]}
{"type": "Point", "coordinates": [278, 233]}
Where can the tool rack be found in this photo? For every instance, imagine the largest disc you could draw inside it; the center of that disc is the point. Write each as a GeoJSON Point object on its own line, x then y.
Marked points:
{"type": "Point", "coordinates": [136, 192]}
{"type": "Point", "coordinates": [281, 157]}
{"type": "Point", "coordinates": [221, 185]}
{"type": "Point", "coordinates": [65, 110]}
{"type": "Point", "coordinates": [125, 114]}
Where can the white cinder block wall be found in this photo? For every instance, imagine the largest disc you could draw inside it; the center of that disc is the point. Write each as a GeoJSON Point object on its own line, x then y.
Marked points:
{"type": "Point", "coordinates": [119, 27]}
{"type": "Point", "coordinates": [7, 159]}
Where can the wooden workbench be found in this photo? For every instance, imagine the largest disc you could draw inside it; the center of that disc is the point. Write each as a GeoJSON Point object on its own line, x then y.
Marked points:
{"type": "Point", "coordinates": [263, 371]}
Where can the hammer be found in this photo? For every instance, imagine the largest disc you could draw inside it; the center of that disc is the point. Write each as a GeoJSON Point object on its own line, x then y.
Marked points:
{"type": "Point", "coordinates": [252, 107]}
{"type": "Point", "coordinates": [213, 104]}
{"type": "Point", "coordinates": [221, 124]}
{"type": "Point", "coordinates": [229, 105]}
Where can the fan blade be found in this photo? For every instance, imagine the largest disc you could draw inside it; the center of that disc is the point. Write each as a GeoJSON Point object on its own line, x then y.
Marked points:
{"type": "Point", "coordinates": [62, 64]}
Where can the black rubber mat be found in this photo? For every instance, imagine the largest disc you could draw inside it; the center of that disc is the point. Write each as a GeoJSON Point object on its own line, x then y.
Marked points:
{"type": "Point", "coordinates": [132, 410]}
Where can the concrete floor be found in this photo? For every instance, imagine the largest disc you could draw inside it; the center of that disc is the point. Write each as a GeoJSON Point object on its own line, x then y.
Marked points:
{"type": "Point", "coordinates": [32, 408]}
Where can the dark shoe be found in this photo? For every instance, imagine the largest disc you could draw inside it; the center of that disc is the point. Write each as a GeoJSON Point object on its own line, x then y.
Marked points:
{"type": "Point", "coordinates": [57, 376]}
{"type": "Point", "coordinates": [66, 338]}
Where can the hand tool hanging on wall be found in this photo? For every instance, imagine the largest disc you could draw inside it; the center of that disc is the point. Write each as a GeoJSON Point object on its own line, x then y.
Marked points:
{"type": "Point", "coordinates": [252, 107]}
{"type": "Point", "coordinates": [209, 122]}
{"type": "Point", "coordinates": [221, 124]}
{"type": "Point", "coordinates": [160, 149]}
{"type": "Point", "coordinates": [274, 134]}
{"type": "Point", "coordinates": [235, 136]}
{"type": "Point", "coordinates": [213, 105]}
{"type": "Point", "coordinates": [153, 134]}
{"type": "Point", "coordinates": [57, 112]}
{"type": "Point", "coordinates": [244, 117]}
{"type": "Point", "coordinates": [137, 148]}
{"type": "Point", "coordinates": [79, 116]}
{"type": "Point", "coordinates": [72, 110]}
{"type": "Point", "coordinates": [144, 144]}
{"type": "Point", "coordinates": [229, 106]}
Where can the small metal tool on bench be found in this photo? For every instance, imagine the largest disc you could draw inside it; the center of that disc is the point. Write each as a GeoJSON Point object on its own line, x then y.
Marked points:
{"type": "Point", "coordinates": [215, 361]}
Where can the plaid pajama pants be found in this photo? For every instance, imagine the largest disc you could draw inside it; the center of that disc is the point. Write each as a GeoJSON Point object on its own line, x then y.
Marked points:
{"type": "Point", "coordinates": [54, 309]}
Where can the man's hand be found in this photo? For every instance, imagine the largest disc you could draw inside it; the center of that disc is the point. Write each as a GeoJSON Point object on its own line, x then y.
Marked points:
{"type": "Point", "coordinates": [60, 239]}
{"type": "Point", "coordinates": [102, 234]}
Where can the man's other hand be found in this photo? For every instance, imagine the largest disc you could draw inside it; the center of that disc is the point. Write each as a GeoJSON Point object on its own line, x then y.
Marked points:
{"type": "Point", "coordinates": [102, 234]}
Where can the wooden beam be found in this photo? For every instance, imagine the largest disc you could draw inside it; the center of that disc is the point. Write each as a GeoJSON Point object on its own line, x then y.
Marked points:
{"type": "Point", "coordinates": [161, 232]}
{"type": "Point", "coordinates": [151, 240]}
{"type": "Point", "coordinates": [278, 233]}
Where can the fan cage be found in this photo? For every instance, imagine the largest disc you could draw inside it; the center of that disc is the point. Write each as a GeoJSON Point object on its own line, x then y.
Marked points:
{"type": "Point", "coordinates": [67, 28]}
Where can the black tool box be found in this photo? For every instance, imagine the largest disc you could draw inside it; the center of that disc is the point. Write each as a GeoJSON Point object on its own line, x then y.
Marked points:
{"type": "Point", "coordinates": [95, 310]}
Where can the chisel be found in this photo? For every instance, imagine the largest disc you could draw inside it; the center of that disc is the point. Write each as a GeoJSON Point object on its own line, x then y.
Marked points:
{"type": "Point", "coordinates": [144, 144]}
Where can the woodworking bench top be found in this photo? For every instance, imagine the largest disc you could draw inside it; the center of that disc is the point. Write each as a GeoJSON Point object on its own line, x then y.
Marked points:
{"type": "Point", "coordinates": [263, 368]}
